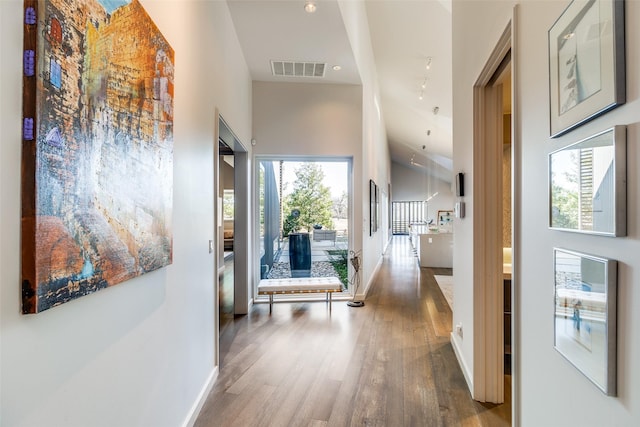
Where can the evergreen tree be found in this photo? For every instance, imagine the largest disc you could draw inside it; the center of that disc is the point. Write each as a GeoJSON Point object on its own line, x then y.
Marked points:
{"type": "Point", "coordinates": [310, 197]}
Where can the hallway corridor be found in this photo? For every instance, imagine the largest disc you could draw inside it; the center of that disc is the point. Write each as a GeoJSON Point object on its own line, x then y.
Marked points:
{"type": "Point", "coordinates": [388, 363]}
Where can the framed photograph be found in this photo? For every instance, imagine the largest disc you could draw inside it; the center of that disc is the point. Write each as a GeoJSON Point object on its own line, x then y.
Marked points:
{"type": "Point", "coordinates": [97, 149]}
{"type": "Point", "coordinates": [586, 63]}
{"type": "Point", "coordinates": [585, 315]}
{"type": "Point", "coordinates": [588, 185]}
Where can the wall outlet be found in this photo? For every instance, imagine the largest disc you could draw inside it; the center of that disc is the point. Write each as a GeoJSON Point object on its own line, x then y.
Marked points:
{"type": "Point", "coordinates": [459, 329]}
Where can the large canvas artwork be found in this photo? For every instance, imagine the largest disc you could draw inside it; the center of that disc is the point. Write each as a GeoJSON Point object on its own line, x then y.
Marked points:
{"type": "Point", "coordinates": [97, 162]}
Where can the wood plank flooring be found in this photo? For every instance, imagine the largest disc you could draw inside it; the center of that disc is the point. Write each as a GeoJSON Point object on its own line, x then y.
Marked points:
{"type": "Point", "coordinates": [389, 363]}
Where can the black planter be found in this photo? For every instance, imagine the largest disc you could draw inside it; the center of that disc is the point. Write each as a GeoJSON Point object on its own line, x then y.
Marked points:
{"type": "Point", "coordinates": [300, 254]}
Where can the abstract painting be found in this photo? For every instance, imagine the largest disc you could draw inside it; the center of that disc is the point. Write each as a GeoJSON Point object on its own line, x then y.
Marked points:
{"type": "Point", "coordinates": [97, 154]}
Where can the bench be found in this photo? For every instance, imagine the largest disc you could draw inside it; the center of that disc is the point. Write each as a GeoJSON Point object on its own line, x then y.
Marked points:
{"type": "Point", "coordinates": [299, 285]}
{"type": "Point", "coordinates": [319, 235]}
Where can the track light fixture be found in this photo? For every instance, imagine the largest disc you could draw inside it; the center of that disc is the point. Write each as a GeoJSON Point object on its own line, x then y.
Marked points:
{"type": "Point", "coordinates": [310, 6]}
{"type": "Point", "coordinates": [423, 86]}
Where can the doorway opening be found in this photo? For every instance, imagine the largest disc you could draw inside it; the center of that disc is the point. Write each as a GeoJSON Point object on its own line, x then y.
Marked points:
{"type": "Point", "coordinates": [231, 184]}
{"type": "Point", "coordinates": [494, 239]}
{"type": "Point", "coordinates": [226, 276]}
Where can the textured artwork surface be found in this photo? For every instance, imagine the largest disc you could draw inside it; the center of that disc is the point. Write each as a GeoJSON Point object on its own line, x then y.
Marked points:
{"type": "Point", "coordinates": [97, 158]}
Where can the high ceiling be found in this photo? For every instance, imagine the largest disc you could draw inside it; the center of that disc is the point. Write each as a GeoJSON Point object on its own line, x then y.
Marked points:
{"type": "Point", "coordinates": [406, 36]}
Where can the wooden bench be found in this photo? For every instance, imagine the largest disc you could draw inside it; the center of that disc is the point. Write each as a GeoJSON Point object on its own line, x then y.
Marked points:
{"type": "Point", "coordinates": [299, 285]}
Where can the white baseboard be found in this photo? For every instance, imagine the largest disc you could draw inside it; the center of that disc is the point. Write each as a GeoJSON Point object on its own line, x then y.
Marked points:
{"type": "Point", "coordinates": [463, 365]}
{"type": "Point", "coordinates": [363, 294]}
{"type": "Point", "coordinates": [193, 413]}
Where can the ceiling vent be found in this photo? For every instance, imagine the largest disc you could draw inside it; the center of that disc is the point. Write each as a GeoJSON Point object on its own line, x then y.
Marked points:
{"type": "Point", "coordinates": [298, 69]}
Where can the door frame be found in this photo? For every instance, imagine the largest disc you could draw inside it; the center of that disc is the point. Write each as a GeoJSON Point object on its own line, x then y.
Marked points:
{"type": "Point", "coordinates": [242, 269]}
{"type": "Point", "coordinates": [488, 374]}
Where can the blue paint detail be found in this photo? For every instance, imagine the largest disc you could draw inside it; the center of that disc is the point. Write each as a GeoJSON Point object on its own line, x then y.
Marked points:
{"type": "Point", "coordinates": [87, 270]}
{"type": "Point", "coordinates": [29, 63]}
{"type": "Point", "coordinates": [111, 5]}
{"type": "Point", "coordinates": [30, 16]}
{"type": "Point", "coordinates": [55, 70]}
{"type": "Point", "coordinates": [54, 138]}
{"type": "Point", "coordinates": [27, 129]}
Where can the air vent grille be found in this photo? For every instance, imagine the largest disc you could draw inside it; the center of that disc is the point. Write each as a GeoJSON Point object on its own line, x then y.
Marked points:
{"type": "Point", "coordinates": [298, 69]}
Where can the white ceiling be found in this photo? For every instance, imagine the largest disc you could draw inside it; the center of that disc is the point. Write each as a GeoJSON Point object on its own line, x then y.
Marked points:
{"type": "Point", "coordinates": [404, 34]}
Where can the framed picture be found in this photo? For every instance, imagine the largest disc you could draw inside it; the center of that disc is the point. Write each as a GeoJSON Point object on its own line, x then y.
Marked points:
{"type": "Point", "coordinates": [377, 216]}
{"type": "Point", "coordinates": [97, 148]}
{"type": "Point", "coordinates": [586, 63]}
{"type": "Point", "coordinates": [445, 217]}
{"type": "Point", "coordinates": [389, 208]}
{"type": "Point", "coordinates": [372, 208]}
{"type": "Point", "coordinates": [588, 185]}
{"type": "Point", "coordinates": [585, 315]}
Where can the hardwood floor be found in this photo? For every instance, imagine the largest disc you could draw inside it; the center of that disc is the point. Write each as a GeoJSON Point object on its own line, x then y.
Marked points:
{"type": "Point", "coordinates": [389, 363]}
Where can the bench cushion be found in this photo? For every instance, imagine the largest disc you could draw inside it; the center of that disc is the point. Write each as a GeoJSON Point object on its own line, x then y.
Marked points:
{"type": "Point", "coordinates": [299, 285]}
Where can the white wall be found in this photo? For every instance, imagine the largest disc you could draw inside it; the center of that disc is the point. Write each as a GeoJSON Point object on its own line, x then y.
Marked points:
{"type": "Point", "coordinates": [551, 391]}
{"type": "Point", "coordinates": [293, 119]}
{"type": "Point", "coordinates": [137, 354]}
{"type": "Point", "coordinates": [376, 162]}
{"type": "Point", "coordinates": [307, 119]}
{"type": "Point", "coordinates": [473, 41]}
{"type": "Point", "coordinates": [298, 119]}
{"type": "Point", "coordinates": [410, 185]}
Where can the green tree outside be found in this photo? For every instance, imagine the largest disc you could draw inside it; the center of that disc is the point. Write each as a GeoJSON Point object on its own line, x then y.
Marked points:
{"type": "Point", "coordinates": [565, 211]}
{"type": "Point", "coordinates": [228, 206]}
{"type": "Point", "coordinates": [565, 197]}
{"type": "Point", "coordinates": [310, 198]}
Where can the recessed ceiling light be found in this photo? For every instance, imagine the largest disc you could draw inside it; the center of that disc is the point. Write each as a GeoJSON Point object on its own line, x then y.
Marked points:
{"type": "Point", "coordinates": [429, 63]}
{"type": "Point", "coordinates": [336, 68]}
{"type": "Point", "coordinates": [310, 7]}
